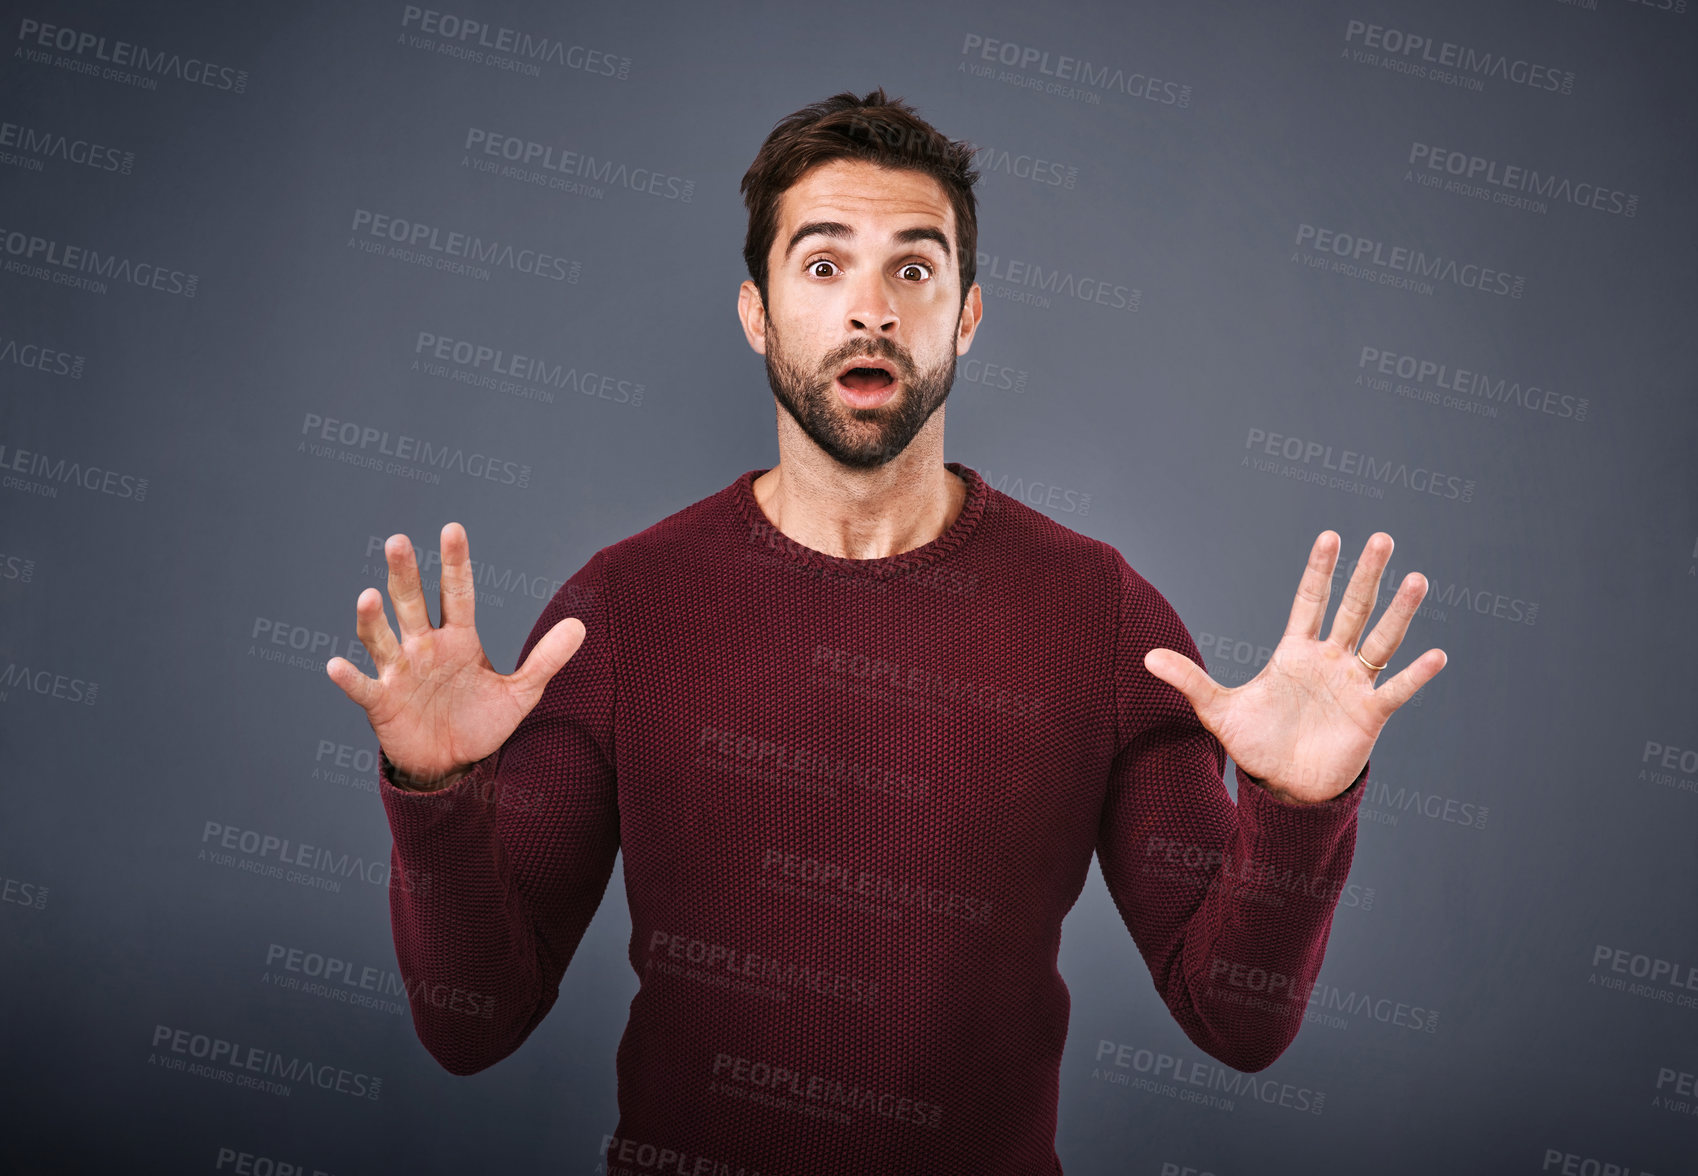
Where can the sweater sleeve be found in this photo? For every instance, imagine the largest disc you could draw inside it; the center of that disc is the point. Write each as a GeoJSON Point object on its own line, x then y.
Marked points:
{"type": "Point", "coordinates": [1229, 905]}
{"type": "Point", "coordinates": [495, 878]}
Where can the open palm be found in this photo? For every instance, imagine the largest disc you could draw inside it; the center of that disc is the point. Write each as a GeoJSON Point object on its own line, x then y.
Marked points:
{"type": "Point", "coordinates": [437, 705]}
{"type": "Point", "coordinates": [1306, 724]}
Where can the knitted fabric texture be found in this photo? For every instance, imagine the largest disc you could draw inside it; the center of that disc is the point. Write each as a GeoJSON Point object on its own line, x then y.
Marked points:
{"type": "Point", "coordinates": [855, 800]}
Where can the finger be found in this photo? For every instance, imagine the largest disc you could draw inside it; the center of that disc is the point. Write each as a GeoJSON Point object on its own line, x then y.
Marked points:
{"type": "Point", "coordinates": [547, 656]}
{"type": "Point", "coordinates": [1185, 676]}
{"type": "Point", "coordinates": [1380, 644]}
{"type": "Point", "coordinates": [355, 685]}
{"type": "Point", "coordinates": [1401, 687]}
{"type": "Point", "coordinates": [373, 628]}
{"type": "Point", "coordinates": [458, 588]}
{"type": "Point", "coordinates": [1314, 588]}
{"type": "Point", "coordinates": [1362, 591]}
{"type": "Point", "coordinates": [404, 591]}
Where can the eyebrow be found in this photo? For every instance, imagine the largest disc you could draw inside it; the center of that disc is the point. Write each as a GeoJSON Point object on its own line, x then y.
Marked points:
{"type": "Point", "coordinates": [841, 230]}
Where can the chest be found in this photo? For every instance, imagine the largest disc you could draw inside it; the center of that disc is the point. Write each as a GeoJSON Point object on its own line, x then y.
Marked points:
{"type": "Point", "coordinates": [863, 744]}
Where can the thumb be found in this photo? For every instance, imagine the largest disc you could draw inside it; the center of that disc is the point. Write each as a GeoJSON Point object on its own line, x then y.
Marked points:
{"type": "Point", "coordinates": [1183, 674]}
{"type": "Point", "coordinates": [555, 648]}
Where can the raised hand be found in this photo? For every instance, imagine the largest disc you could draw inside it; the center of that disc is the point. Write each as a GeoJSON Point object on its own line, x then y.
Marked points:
{"type": "Point", "coordinates": [437, 705]}
{"type": "Point", "coordinates": [1305, 725]}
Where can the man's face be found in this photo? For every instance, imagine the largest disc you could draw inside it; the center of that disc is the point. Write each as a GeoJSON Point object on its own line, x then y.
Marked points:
{"type": "Point", "coordinates": [862, 275]}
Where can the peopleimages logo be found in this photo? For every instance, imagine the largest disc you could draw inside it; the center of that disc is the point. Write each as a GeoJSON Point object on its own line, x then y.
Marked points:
{"type": "Point", "coordinates": [558, 167]}
{"type": "Point", "coordinates": [1194, 1081]}
{"type": "Point", "coordinates": [674, 953]}
{"type": "Point", "coordinates": [1511, 184]}
{"type": "Point", "coordinates": [1674, 7]}
{"type": "Point", "coordinates": [16, 567]}
{"type": "Point", "coordinates": [217, 1051]}
{"type": "Point", "coordinates": [1567, 1163]}
{"type": "Point", "coordinates": [38, 357]}
{"type": "Point", "coordinates": [1446, 598]}
{"type": "Point", "coordinates": [822, 879]}
{"type": "Point", "coordinates": [416, 457]}
{"type": "Point", "coordinates": [499, 47]}
{"type": "Point", "coordinates": [25, 894]}
{"type": "Point", "coordinates": [312, 866]}
{"type": "Point", "coordinates": [1674, 759]}
{"type": "Point", "coordinates": [1669, 981]}
{"type": "Point", "coordinates": [1677, 1091]}
{"type": "Point", "coordinates": [1040, 282]}
{"type": "Point", "coordinates": [1331, 1006]}
{"type": "Point", "coordinates": [31, 255]}
{"type": "Point", "coordinates": [810, 767]}
{"type": "Point", "coordinates": [1278, 994]}
{"type": "Point", "coordinates": [1317, 457]}
{"type": "Point", "coordinates": [997, 376]}
{"type": "Point", "coordinates": [632, 1157]}
{"type": "Point", "coordinates": [1385, 805]}
{"type": "Point", "coordinates": [34, 145]}
{"type": "Point", "coordinates": [820, 1091]}
{"type": "Point", "coordinates": [46, 684]}
{"type": "Point", "coordinates": [432, 245]}
{"type": "Point", "coordinates": [1025, 167]}
{"type": "Point", "coordinates": [916, 686]}
{"type": "Point", "coordinates": [124, 61]}
{"type": "Point", "coordinates": [497, 580]}
{"type": "Point", "coordinates": [246, 1163]}
{"type": "Point", "coordinates": [1038, 494]}
{"type": "Point", "coordinates": [18, 468]}
{"type": "Point", "coordinates": [529, 377]}
{"type": "Point", "coordinates": [365, 986]}
{"type": "Point", "coordinates": [1377, 366]}
{"type": "Point", "coordinates": [1399, 265]}
{"type": "Point", "coordinates": [1073, 77]}
{"type": "Point", "coordinates": [1446, 61]}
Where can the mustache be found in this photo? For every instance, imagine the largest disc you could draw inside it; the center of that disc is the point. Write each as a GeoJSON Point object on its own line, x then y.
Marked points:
{"type": "Point", "coordinates": [898, 358]}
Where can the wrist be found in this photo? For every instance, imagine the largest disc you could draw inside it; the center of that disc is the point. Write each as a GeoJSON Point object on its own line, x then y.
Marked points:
{"type": "Point", "coordinates": [409, 782]}
{"type": "Point", "coordinates": [1279, 794]}
{"type": "Point", "coordinates": [1290, 799]}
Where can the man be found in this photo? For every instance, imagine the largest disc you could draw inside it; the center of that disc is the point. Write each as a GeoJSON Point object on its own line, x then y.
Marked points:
{"type": "Point", "coordinates": [859, 723]}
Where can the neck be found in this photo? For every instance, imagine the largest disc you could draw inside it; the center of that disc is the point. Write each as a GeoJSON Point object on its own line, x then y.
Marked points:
{"type": "Point", "coordinates": [860, 514]}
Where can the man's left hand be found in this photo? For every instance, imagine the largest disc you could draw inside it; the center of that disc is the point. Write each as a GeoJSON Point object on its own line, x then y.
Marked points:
{"type": "Point", "coordinates": [1305, 725]}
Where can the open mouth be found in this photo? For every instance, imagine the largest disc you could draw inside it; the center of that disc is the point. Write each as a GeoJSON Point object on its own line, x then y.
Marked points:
{"type": "Point", "coordinates": [866, 380]}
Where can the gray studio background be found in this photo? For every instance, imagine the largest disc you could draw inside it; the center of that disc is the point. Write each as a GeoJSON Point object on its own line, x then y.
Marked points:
{"type": "Point", "coordinates": [192, 415]}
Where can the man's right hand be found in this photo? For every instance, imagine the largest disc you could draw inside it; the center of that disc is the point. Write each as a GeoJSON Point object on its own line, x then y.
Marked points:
{"type": "Point", "coordinates": [437, 706]}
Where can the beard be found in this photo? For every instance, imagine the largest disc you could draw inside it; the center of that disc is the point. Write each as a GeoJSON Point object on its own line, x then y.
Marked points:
{"type": "Point", "coordinates": [842, 430]}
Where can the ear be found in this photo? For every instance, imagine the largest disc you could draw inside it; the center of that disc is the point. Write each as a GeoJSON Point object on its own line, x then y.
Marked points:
{"type": "Point", "coordinates": [972, 310]}
{"type": "Point", "coordinates": [752, 312]}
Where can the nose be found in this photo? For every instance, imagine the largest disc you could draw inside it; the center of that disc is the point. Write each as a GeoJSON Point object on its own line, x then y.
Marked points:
{"type": "Point", "coordinates": [871, 307]}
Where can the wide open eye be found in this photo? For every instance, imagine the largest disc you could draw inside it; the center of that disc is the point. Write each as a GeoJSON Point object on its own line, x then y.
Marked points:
{"type": "Point", "coordinates": [916, 265]}
{"type": "Point", "coordinates": [813, 267]}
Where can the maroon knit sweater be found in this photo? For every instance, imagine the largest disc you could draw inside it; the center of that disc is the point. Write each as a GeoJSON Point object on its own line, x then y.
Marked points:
{"type": "Point", "coordinates": [856, 799]}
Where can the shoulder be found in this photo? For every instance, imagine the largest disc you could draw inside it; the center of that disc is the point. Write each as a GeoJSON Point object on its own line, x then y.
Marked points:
{"type": "Point", "coordinates": [692, 535]}
{"type": "Point", "coordinates": [1054, 544]}
{"type": "Point", "coordinates": [1145, 617]}
{"type": "Point", "coordinates": [633, 564]}
{"type": "Point", "coordinates": [1068, 560]}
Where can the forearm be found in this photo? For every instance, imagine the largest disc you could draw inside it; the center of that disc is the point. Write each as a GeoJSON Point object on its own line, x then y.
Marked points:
{"type": "Point", "coordinates": [1251, 952]}
{"type": "Point", "coordinates": [508, 863]}
{"type": "Point", "coordinates": [466, 948]}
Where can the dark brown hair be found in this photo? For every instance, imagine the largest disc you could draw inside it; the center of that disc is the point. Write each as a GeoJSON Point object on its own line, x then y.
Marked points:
{"type": "Point", "coordinates": [885, 131]}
